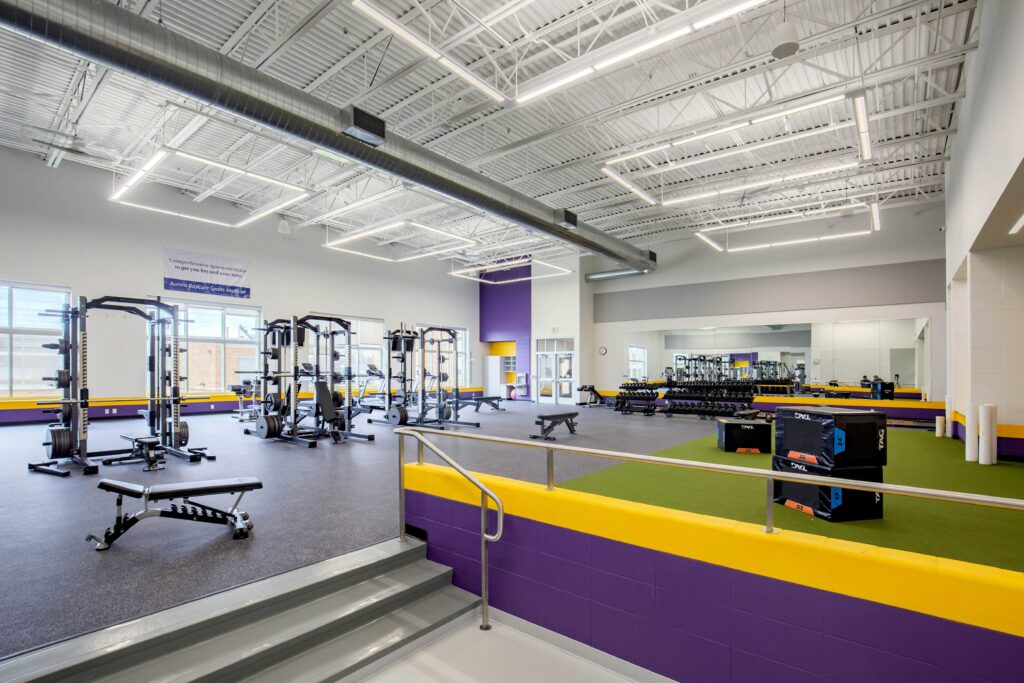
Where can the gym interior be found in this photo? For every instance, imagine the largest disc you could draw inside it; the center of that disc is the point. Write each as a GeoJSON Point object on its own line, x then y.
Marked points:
{"type": "Point", "coordinates": [465, 340]}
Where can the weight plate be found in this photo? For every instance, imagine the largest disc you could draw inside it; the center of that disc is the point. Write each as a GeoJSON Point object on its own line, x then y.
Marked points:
{"type": "Point", "coordinates": [398, 415]}
{"type": "Point", "coordinates": [444, 412]}
{"type": "Point", "coordinates": [58, 443]}
{"type": "Point", "coordinates": [182, 434]}
{"type": "Point", "coordinates": [63, 379]}
{"type": "Point", "coordinates": [271, 403]}
{"type": "Point", "coordinates": [400, 398]}
{"type": "Point", "coordinates": [268, 426]}
{"type": "Point", "coordinates": [338, 398]}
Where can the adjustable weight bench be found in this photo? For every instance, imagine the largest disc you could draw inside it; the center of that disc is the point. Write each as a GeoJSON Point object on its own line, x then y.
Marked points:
{"type": "Point", "coordinates": [550, 421]}
{"type": "Point", "coordinates": [479, 401]}
{"type": "Point", "coordinates": [188, 509]}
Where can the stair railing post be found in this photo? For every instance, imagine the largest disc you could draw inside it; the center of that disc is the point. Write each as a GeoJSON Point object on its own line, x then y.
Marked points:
{"type": "Point", "coordinates": [401, 488]}
{"type": "Point", "coordinates": [485, 623]}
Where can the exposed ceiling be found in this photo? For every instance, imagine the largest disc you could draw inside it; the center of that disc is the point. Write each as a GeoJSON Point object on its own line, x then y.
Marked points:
{"type": "Point", "coordinates": [906, 56]}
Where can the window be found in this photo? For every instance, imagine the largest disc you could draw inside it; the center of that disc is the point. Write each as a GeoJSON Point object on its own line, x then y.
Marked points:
{"type": "Point", "coordinates": [24, 328]}
{"type": "Point", "coordinates": [637, 362]}
{"type": "Point", "coordinates": [462, 342]}
{"type": "Point", "coordinates": [222, 343]}
{"type": "Point", "coordinates": [367, 343]}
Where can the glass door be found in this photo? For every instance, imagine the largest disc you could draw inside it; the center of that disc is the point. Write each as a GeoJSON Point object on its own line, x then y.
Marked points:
{"type": "Point", "coordinates": [564, 368]}
{"type": "Point", "coordinates": [546, 378]}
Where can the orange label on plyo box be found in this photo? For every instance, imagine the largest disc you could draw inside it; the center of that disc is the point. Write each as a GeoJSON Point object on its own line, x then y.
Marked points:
{"type": "Point", "coordinates": [803, 457]}
{"type": "Point", "coordinates": [748, 450]}
{"type": "Point", "coordinates": [799, 507]}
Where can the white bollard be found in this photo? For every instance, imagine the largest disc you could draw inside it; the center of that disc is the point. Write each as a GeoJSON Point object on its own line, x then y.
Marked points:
{"type": "Point", "coordinates": [940, 426]}
{"type": "Point", "coordinates": [987, 434]}
{"type": "Point", "coordinates": [971, 435]}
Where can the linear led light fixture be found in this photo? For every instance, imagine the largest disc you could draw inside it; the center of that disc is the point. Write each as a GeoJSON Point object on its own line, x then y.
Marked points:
{"type": "Point", "coordinates": [654, 42]}
{"type": "Point", "coordinates": [726, 13]}
{"type": "Point", "coordinates": [628, 185]}
{"type": "Point", "coordinates": [464, 273]}
{"type": "Point", "coordinates": [876, 220]}
{"type": "Point", "coordinates": [844, 235]}
{"type": "Point", "coordinates": [359, 204]}
{"type": "Point", "coordinates": [860, 115]}
{"type": "Point", "coordinates": [333, 244]}
{"type": "Point", "coordinates": [178, 214]}
{"type": "Point", "coordinates": [728, 129]}
{"type": "Point", "coordinates": [710, 242]}
{"type": "Point", "coordinates": [137, 177]}
{"type": "Point", "coordinates": [751, 247]}
{"type": "Point", "coordinates": [411, 39]}
{"type": "Point", "coordinates": [787, 243]}
{"type": "Point", "coordinates": [271, 209]}
{"type": "Point", "coordinates": [555, 85]}
{"type": "Point", "coordinates": [162, 153]}
{"type": "Point", "coordinates": [759, 183]}
{"type": "Point", "coordinates": [793, 110]}
{"type": "Point", "coordinates": [235, 169]}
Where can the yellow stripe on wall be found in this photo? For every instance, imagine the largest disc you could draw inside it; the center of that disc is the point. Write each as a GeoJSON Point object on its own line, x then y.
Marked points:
{"type": "Point", "coordinates": [1007, 431]}
{"type": "Point", "coordinates": [950, 589]}
{"type": "Point", "coordinates": [849, 402]}
{"type": "Point", "coordinates": [503, 348]}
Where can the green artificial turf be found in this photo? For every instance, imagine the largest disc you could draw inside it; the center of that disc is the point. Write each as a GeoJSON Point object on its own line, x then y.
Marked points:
{"type": "Point", "coordinates": [963, 532]}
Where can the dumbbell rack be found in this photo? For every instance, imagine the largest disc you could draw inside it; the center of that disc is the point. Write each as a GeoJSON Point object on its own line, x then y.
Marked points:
{"type": "Point", "coordinates": [708, 399]}
{"type": "Point", "coordinates": [637, 395]}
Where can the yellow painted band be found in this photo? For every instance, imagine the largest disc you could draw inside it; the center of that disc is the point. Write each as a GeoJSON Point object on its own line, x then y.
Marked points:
{"type": "Point", "coordinates": [949, 589]}
{"type": "Point", "coordinates": [1006, 431]}
{"type": "Point", "coordinates": [849, 402]}
{"type": "Point", "coordinates": [503, 348]}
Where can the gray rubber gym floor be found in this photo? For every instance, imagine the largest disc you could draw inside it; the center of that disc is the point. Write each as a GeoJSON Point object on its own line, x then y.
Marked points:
{"type": "Point", "coordinates": [315, 504]}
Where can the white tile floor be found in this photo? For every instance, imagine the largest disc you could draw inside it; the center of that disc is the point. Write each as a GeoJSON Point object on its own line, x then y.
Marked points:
{"type": "Point", "coordinates": [502, 654]}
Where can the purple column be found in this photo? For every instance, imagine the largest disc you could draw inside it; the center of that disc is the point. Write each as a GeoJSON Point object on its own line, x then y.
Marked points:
{"type": "Point", "coordinates": [505, 313]}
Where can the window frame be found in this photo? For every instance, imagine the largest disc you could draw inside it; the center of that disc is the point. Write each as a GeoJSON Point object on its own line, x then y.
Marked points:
{"type": "Point", "coordinates": [9, 331]}
{"type": "Point", "coordinates": [225, 341]}
{"type": "Point", "coordinates": [639, 362]}
{"type": "Point", "coordinates": [462, 337]}
{"type": "Point", "coordinates": [358, 346]}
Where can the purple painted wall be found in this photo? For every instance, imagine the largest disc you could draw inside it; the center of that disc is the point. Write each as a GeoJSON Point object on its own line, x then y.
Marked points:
{"type": "Point", "coordinates": [506, 314]}
{"type": "Point", "coordinates": [694, 621]}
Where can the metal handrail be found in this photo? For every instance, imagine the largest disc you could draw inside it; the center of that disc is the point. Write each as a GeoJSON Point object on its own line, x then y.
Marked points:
{"type": "Point", "coordinates": [768, 475]}
{"type": "Point", "coordinates": [485, 493]}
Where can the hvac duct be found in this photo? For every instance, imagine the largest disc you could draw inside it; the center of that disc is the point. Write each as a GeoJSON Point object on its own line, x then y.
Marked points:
{"type": "Point", "coordinates": [106, 34]}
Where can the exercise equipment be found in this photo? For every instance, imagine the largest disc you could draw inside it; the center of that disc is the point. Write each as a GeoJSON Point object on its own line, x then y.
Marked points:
{"type": "Point", "coordinates": [282, 415]}
{"type": "Point", "coordinates": [744, 436]}
{"type": "Point", "coordinates": [443, 342]}
{"type": "Point", "coordinates": [549, 421]}
{"type": "Point", "coordinates": [188, 510]}
{"type": "Point", "coordinates": [67, 440]}
{"type": "Point", "coordinates": [830, 442]}
{"type": "Point", "coordinates": [248, 403]}
{"type": "Point", "coordinates": [399, 390]}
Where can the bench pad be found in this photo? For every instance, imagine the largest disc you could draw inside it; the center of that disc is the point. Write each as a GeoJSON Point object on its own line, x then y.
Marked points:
{"type": "Point", "coordinates": [185, 489]}
{"type": "Point", "coordinates": [552, 416]}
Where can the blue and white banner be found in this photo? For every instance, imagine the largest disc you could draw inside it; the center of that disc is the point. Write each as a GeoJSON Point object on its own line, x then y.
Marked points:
{"type": "Point", "coordinates": [195, 273]}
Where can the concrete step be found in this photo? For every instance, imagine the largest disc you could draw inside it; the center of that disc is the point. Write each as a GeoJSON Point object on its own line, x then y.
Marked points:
{"type": "Point", "coordinates": [281, 634]}
{"type": "Point", "coordinates": [349, 652]}
{"type": "Point", "coordinates": [264, 621]}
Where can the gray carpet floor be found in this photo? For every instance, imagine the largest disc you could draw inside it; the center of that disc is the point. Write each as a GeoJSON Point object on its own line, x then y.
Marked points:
{"type": "Point", "coordinates": [316, 503]}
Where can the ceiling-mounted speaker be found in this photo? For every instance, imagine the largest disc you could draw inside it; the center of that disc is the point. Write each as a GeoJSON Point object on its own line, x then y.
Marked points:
{"type": "Point", "coordinates": [786, 41]}
{"type": "Point", "coordinates": [284, 227]}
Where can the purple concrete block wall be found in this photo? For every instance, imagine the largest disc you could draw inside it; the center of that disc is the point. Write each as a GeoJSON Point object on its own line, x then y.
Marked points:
{"type": "Point", "coordinates": [1006, 447]}
{"type": "Point", "coordinates": [694, 621]}
{"type": "Point", "coordinates": [506, 314]}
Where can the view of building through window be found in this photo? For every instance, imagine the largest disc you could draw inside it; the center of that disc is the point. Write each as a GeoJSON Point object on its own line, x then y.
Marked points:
{"type": "Point", "coordinates": [24, 327]}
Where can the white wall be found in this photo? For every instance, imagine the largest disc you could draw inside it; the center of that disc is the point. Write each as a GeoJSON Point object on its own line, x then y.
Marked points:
{"type": "Point", "coordinates": [908, 234]}
{"type": "Point", "coordinates": [996, 279]}
{"type": "Point", "coordinates": [989, 144]}
{"type": "Point", "coordinates": [559, 308]}
{"type": "Point", "coordinates": [58, 229]}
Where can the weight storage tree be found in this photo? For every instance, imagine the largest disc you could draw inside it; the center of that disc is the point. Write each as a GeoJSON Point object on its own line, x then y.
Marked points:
{"type": "Point", "coordinates": [68, 439]}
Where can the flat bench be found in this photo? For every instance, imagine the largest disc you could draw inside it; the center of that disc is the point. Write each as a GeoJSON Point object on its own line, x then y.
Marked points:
{"type": "Point", "coordinates": [479, 401]}
{"type": "Point", "coordinates": [187, 510]}
{"type": "Point", "coordinates": [550, 421]}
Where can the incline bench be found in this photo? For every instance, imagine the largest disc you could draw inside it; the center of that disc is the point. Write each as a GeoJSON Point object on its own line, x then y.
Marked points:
{"type": "Point", "coordinates": [189, 509]}
{"type": "Point", "coordinates": [550, 421]}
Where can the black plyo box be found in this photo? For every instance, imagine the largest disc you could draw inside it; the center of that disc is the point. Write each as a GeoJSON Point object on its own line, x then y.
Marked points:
{"type": "Point", "coordinates": [830, 503]}
{"type": "Point", "coordinates": [831, 437]}
{"type": "Point", "coordinates": [744, 436]}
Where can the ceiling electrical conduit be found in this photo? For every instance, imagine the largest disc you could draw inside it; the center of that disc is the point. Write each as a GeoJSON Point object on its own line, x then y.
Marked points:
{"type": "Point", "coordinates": [121, 40]}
